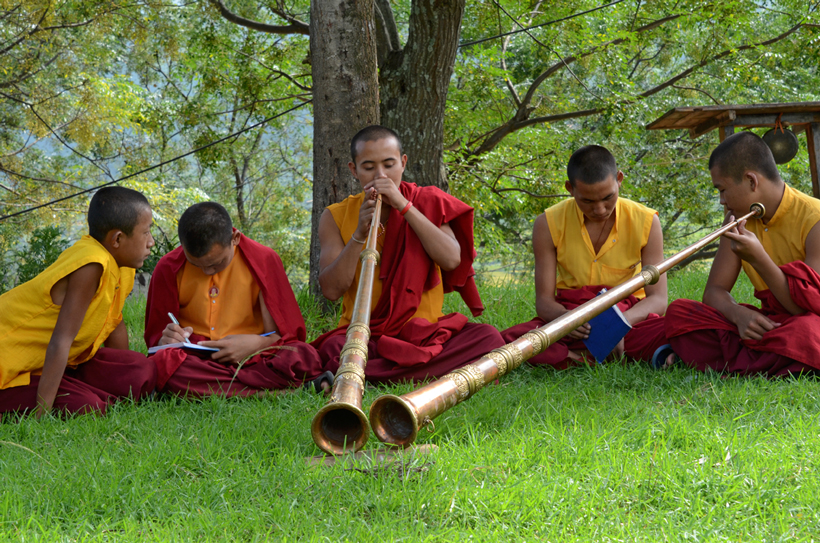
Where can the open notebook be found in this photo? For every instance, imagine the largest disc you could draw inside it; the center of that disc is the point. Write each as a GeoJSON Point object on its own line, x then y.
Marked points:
{"type": "Point", "coordinates": [186, 346]}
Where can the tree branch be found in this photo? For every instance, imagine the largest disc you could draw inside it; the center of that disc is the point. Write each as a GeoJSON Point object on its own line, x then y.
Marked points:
{"type": "Point", "coordinates": [521, 118]}
{"type": "Point", "coordinates": [295, 26]}
{"type": "Point", "coordinates": [387, 34]}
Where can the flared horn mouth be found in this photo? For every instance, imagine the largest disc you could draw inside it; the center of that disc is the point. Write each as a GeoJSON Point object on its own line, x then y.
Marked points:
{"type": "Point", "coordinates": [339, 428]}
{"type": "Point", "coordinates": [394, 420]}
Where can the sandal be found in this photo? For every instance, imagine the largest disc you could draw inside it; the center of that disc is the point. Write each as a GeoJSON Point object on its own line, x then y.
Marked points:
{"type": "Point", "coordinates": [316, 385]}
{"type": "Point", "coordinates": [660, 356]}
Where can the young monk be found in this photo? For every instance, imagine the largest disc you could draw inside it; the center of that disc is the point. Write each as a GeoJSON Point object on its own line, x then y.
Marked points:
{"type": "Point", "coordinates": [592, 241]}
{"type": "Point", "coordinates": [52, 328]}
{"type": "Point", "coordinates": [426, 246]}
{"type": "Point", "coordinates": [231, 293]}
{"type": "Point", "coordinates": [781, 256]}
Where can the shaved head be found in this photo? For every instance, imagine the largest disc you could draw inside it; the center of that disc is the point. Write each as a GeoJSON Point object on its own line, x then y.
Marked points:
{"type": "Point", "coordinates": [743, 152]}
{"type": "Point", "coordinates": [372, 133]}
{"type": "Point", "coordinates": [591, 164]}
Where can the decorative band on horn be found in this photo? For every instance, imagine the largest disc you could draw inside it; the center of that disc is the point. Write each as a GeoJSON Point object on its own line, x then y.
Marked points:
{"type": "Point", "coordinates": [370, 254]}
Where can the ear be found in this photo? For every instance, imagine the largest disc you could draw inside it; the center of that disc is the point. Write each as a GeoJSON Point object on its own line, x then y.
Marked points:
{"type": "Point", "coordinates": [235, 238]}
{"type": "Point", "coordinates": [403, 161]}
{"type": "Point", "coordinates": [115, 238]}
{"type": "Point", "coordinates": [569, 188]}
{"type": "Point", "coordinates": [753, 179]}
{"type": "Point", "coordinates": [619, 178]}
{"type": "Point", "coordinates": [352, 166]}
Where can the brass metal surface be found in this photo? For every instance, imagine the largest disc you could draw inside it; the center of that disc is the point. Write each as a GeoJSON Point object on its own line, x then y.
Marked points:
{"type": "Point", "coordinates": [341, 425]}
{"type": "Point", "coordinates": [397, 419]}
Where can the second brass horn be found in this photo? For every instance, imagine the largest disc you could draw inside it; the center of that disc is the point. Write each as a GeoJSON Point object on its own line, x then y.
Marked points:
{"type": "Point", "coordinates": [341, 425]}
{"type": "Point", "coordinates": [397, 419]}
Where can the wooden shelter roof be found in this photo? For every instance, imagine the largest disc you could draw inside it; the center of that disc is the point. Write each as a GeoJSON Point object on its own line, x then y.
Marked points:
{"type": "Point", "coordinates": [701, 119]}
{"type": "Point", "coordinates": [799, 116]}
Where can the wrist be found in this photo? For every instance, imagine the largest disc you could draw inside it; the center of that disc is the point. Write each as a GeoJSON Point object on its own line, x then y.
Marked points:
{"type": "Point", "coordinates": [401, 203]}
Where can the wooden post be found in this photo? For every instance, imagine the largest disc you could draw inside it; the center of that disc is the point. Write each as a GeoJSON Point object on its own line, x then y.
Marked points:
{"type": "Point", "coordinates": [724, 131]}
{"type": "Point", "coordinates": [813, 140]}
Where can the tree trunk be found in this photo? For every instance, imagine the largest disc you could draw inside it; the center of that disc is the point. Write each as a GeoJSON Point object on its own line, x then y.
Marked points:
{"type": "Point", "coordinates": [414, 84]}
{"type": "Point", "coordinates": [345, 100]}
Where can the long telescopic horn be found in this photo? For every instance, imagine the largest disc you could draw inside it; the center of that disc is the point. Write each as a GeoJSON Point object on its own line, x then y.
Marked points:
{"type": "Point", "coordinates": [341, 425]}
{"type": "Point", "coordinates": [397, 419]}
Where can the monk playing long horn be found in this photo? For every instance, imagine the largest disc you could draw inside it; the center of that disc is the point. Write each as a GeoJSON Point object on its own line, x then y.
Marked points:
{"type": "Point", "coordinates": [426, 247]}
{"type": "Point", "coordinates": [595, 240]}
{"type": "Point", "coordinates": [781, 257]}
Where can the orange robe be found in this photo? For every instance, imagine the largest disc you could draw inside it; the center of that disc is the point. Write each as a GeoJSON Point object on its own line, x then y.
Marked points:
{"type": "Point", "coordinates": [223, 304]}
{"type": "Point", "coordinates": [27, 320]}
{"type": "Point", "coordinates": [582, 273]}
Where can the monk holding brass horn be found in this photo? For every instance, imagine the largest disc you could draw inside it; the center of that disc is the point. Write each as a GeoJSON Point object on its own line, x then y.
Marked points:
{"type": "Point", "coordinates": [426, 244]}
{"type": "Point", "coordinates": [592, 241]}
{"type": "Point", "coordinates": [397, 420]}
{"type": "Point", "coordinates": [781, 257]}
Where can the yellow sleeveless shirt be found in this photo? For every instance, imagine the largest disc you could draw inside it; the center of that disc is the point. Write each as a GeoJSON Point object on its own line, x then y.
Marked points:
{"type": "Point", "coordinates": [28, 315]}
{"type": "Point", "coordinates": [346, 216]}
{"type": "Point", "coordinates": [619, 257]}
{"type": "Point", "coordinates": [784, 237]}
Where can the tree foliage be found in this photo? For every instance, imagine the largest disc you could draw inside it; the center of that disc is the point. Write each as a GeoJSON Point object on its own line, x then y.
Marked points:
{"type": "Point", "coordinates": [93, 90]}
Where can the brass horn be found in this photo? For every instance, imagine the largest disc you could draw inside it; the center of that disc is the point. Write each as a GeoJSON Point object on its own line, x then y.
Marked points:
{"type": "Point", "coordinates": [341, 425]}
{"type": "Point", "coordinates": [397, 419]}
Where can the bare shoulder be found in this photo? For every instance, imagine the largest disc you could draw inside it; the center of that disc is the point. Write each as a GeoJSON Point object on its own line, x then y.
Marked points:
{"type": "Point", "coordinates": [541, 235]}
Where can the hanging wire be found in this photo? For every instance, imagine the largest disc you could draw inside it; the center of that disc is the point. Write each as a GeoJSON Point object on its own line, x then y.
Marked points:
{"type": "Point", "coordinates": [482, 40]}
{"type": "Point", "coordinates": [155, 166]}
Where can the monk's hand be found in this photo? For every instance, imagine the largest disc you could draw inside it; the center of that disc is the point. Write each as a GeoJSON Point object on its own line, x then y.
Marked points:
{"type": "Point", "coordinates": [751, 324]}
{"type": "Point", "coordinates": [744, 243]}
{"type": "Point", "coordinates": [235, 348]}
{"type": "Point", "coordinates": [175, 333]}
{"type": "Point", "coordinates": [365, 214]}
{"type": "Point", "coordinates": [391, 195]}
{"type": "Point", "coordinates": [618, 351]}
{"type": "Point", "coordinates": [582, 332]}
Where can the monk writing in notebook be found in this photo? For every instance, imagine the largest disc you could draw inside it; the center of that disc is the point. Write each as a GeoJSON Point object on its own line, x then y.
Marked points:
{"type": "Point", "coordinates": [426, 246]}
{"type": "Point", "coordinates": [595, 240]}
{"type": "Point", "coordinates": [781, 256]}
{"type": "Point", "coordinates": [230, 294]}
{"type": "Point", "coordinates": [64, 342]}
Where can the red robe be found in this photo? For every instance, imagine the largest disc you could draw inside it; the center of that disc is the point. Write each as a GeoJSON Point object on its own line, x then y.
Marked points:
{"type": "Point", "coordinates": [639, 343]}
{"type": "Point", "coordinates": [402, 348]}
{"type": "Point", "coordinates": [180, 372]}
{"type": "Point", "coordinates": [111, 375]}
{"type": "Point", "coordinates": [703, 338]}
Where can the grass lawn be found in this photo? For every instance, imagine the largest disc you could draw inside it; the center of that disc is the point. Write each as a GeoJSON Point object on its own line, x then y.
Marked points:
{"type": "Point", "coordinates": [614, 452]}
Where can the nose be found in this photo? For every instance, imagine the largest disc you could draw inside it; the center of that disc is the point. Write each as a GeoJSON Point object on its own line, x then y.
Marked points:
{"type": "Point", "coordinates": [151, 241]}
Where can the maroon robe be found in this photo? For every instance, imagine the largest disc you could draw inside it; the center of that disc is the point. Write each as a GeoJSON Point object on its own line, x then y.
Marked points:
{"type": "Point", "coordinates": [288, 363]}
{"type": "Point", "coordinates": [402, 348]}
{"type": "Point", "coordinates": [111, 375]}
{"type": "Point", "coordinates": [703, 338]}
{"type": "Point", "coordinates": [640, 342]}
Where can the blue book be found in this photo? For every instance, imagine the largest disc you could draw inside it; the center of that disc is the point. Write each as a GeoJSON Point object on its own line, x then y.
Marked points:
{"type": "Point", "coordinates": [607, 329]}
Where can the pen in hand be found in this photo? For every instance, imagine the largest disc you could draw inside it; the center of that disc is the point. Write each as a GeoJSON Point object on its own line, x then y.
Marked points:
{"type": "Point", "coordinates": [175, 321]}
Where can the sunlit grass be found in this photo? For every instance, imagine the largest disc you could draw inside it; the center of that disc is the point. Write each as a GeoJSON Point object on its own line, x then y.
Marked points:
{"type": "Point", "coordinates": [612, 452]}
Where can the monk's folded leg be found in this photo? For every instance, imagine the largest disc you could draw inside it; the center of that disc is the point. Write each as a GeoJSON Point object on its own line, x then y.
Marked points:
{"type": "Point", "coordinates": [198, 378]}
{"type": "Point", "coordinates": [466, 346]}
{"type": "Point", "coordinates": [556, 355]}
{"type": "Point", "coordinates": [73, 397]}
{"type": "Point", "coordinates": [119, 373]}
{"type": "Point", "coordinates": [723, 351]}
{"type": "Point", "coordinates": [286, 367]}
{"type": "Point", "coordinates": [644, 339]}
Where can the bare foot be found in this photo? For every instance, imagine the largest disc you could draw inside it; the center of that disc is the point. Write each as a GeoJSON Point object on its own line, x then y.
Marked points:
{"type": "Point", "coordinates": [670, 361]}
